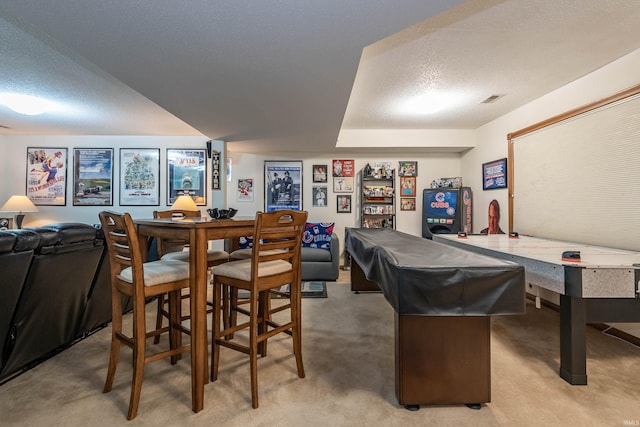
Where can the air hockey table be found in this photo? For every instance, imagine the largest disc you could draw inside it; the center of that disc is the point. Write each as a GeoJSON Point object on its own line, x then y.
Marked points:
{"type": "Point", "coordinates": [603, 285]}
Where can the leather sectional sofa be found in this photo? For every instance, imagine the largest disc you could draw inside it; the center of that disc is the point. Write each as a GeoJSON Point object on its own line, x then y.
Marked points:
{"type": "Point", "coordinates": [54, 290]}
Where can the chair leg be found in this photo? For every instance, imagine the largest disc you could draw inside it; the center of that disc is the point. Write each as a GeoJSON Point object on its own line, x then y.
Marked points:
{"type": "Point", "coordinates": [116, 328]}
{"type": "Point", "coordinates": [114, 357]}
{"type": "Point", "coordinates": [175, 319]}
{"type": "Point", "coordinates": [215, 328]}
{"type": "Point", "coordinates": [253, 348]}
{"type": "Point", "coordinates": [161, 303]}
{"type": "Point", "coordinates": [139, 347]}
{"type": "Point", "coordinates": [296, 318]}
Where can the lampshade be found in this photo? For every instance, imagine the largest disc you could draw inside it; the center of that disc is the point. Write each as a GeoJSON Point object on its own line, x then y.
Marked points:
{"type": "Point", "coordinates": [19, 205]}
{"type": "Point", "coordinates": [184, 203]}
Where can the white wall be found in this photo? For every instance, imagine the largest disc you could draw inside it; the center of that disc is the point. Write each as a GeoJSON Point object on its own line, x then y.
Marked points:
{"type": "Point", "coordinates": [13, 172]}
{"type": "Point", "coordinates": [430, 167]}
{"type": "Point", "coordinates": [492, 138]}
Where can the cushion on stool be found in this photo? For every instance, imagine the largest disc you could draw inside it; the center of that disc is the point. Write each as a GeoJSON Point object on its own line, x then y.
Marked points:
{"type": "Point", "coordinates": [157, 272]}
{"type": "Point", "coordinates": [212, 255]}
{"type": "Point", "coordinates": [242, 269]}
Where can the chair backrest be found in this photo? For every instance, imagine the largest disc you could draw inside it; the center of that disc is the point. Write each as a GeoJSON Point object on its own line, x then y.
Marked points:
{"type": "Point", "coordinates": [278, 236]}
{"type": "Point", "coordinates": [123, 246]}
{"type": "Point", "coordinates": [173, 245]}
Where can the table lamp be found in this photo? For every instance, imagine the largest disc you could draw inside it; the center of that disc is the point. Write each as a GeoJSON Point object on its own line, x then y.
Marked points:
{"type": "Point", "coordinates": [19, 204]}
{"type": "Point", "coordinates": [184, 203]}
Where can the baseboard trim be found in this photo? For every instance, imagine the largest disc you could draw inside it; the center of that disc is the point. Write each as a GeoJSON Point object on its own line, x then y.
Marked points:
{"type": "Point", "coordinates": [602, 327]}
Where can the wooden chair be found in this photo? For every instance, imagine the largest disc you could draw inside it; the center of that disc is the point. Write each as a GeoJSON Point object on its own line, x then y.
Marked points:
{"type": "Point", "coordinates": [138, 280]}
{"type": "Point", "coordinates": [174, 249]}
{"type": "Point", "coordinates": [275, 262]}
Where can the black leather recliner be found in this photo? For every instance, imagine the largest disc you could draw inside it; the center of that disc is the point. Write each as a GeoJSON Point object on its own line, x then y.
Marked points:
{"type": "Point", "coordinates": [54, 297]}
{"type": "Point", "coordinates": [16, 251]}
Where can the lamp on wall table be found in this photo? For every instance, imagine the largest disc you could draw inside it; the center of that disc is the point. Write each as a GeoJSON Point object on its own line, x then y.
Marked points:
{"type": "Point", "coordinates": [184, 203]}
{"type": "Point", "coordinates": [20, 205]}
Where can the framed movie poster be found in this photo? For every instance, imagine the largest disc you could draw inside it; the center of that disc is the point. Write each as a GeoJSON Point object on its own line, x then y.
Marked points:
{"type": "Point", "coordinates": [282, 185]}
{"type": "Point", "coordinates": [187, 175]}
{"type": "Point", "coordinates": [343, 203]}
{"type": "Point", "coordinates": [93, 177]}
{"type": "Point", "coordinates": [139, 176]}
{"type": "Point", "coordinates": [494, 174]}
{"type": "Point", "coordinates": [47, 176]}
{"type": "Point", "coordinates": [244, 192]}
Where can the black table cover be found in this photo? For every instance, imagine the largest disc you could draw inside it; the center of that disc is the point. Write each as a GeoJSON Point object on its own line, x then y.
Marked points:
{"type": "Point", "coordinates": [422, 277]}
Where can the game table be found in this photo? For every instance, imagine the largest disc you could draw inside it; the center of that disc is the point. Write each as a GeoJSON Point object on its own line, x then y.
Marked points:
{"type": "Point", "coordinates": [602, 286]}
{"type": "Point", "coordinates": [443, 298]}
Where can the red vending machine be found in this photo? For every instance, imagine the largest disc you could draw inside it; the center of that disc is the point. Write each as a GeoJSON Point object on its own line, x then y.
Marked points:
{"type": "Point", "coordinates": [446, 210]}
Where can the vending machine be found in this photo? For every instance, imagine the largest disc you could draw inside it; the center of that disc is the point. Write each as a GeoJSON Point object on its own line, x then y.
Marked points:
{"type": "Point", "coordinates": [446, 210]}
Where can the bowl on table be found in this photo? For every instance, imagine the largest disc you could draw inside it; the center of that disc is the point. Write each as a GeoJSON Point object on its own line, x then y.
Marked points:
{"type": "Point", "coordinates": [216, 213]}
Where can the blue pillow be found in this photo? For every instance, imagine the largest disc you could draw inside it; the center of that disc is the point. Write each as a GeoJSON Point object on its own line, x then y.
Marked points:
{"type": "Point", "coordinates": [317, 235]}
{"type": "Point", "coordinates": [245, 242]}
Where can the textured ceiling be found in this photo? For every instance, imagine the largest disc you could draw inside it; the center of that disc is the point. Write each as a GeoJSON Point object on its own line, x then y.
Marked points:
{"type": "Point", "coordinates": [273, 76]}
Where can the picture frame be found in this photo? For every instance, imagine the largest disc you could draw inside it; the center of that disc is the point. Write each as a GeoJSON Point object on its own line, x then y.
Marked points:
{"type": "Point", "coordinates": [139, 177]}
{"type": "Point", "coordinates": [408, 186]}
{"type": "Point", "coordinates": [494, 174]}
{"type": "Point", "coordinates": [343, 184]}
{"type": "Point", "coordinates": [407, 203]}
{"type": "Point", "coordinates": [320, 196]}
{"type": "Point", "coordinates": [320, 174]}
{"type": "Point", "coordinates": [282, 185]}
{"type": "Point", "coordinates": [408, 168]}
{"type": "Point", "coordinates": [244, 190]}
{"type": "Point", "coordinates": [187, 175]}
{"type": "Point", "coordinates": [342, 167]}
{"type": "Point", "coordinates": [6, 223]}
{"type": "Point", "coordinates": [93, 177]}
{"type": "Point", "coordinates": [343, 203]}
{"type": "Point", "coordinates": [47, 176]}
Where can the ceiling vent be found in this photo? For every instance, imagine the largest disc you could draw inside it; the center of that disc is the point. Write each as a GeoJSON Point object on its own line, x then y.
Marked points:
{"type": "Point", "coordinates": [492, 98]}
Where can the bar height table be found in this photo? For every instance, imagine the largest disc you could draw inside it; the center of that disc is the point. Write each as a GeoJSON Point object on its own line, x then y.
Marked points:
{"type": "Point", "coordinates": [198, 231]}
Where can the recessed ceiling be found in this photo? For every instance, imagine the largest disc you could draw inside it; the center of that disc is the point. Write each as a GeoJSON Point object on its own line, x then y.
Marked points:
{"type": "Point", "coordinates": [287, 76]}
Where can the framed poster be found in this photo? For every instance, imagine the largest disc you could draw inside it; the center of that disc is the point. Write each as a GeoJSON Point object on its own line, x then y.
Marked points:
{"type": "Point", "coordinates": [320, 196]}
{"type": "Point", "coordinates": [407, 168]}
{"type": "Point", "coordinates": [494, 174]}
{"type": "Point", "coordinates": [244, 192]}
{"type": "Point", "coordinates": [408, 186]}
{"type": "Point", "coordinates": [343, 167]}
{"type": "Point", "coordinates": [320, 174]}
{"type": "Point", "coordinates": [47, 176]}
{"type": "Point", "coordinates": [282, 185]}
{"type": "Point", "coordinates": [187, 175]}
{"type": "Point", "coordinates": [407, 203]}
{"type": "Point", "coordinates": [93, 177]}
{"type": "Point", "coordinates": [343, 203]}
{"type": "Point", "coordinates": [139, 176]}
{"type": "Point", "coordinates": [343, 184]}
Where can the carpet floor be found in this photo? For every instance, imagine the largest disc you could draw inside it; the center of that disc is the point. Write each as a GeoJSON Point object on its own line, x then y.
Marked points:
{"type": "Point", "coordinates": [348, 350]}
